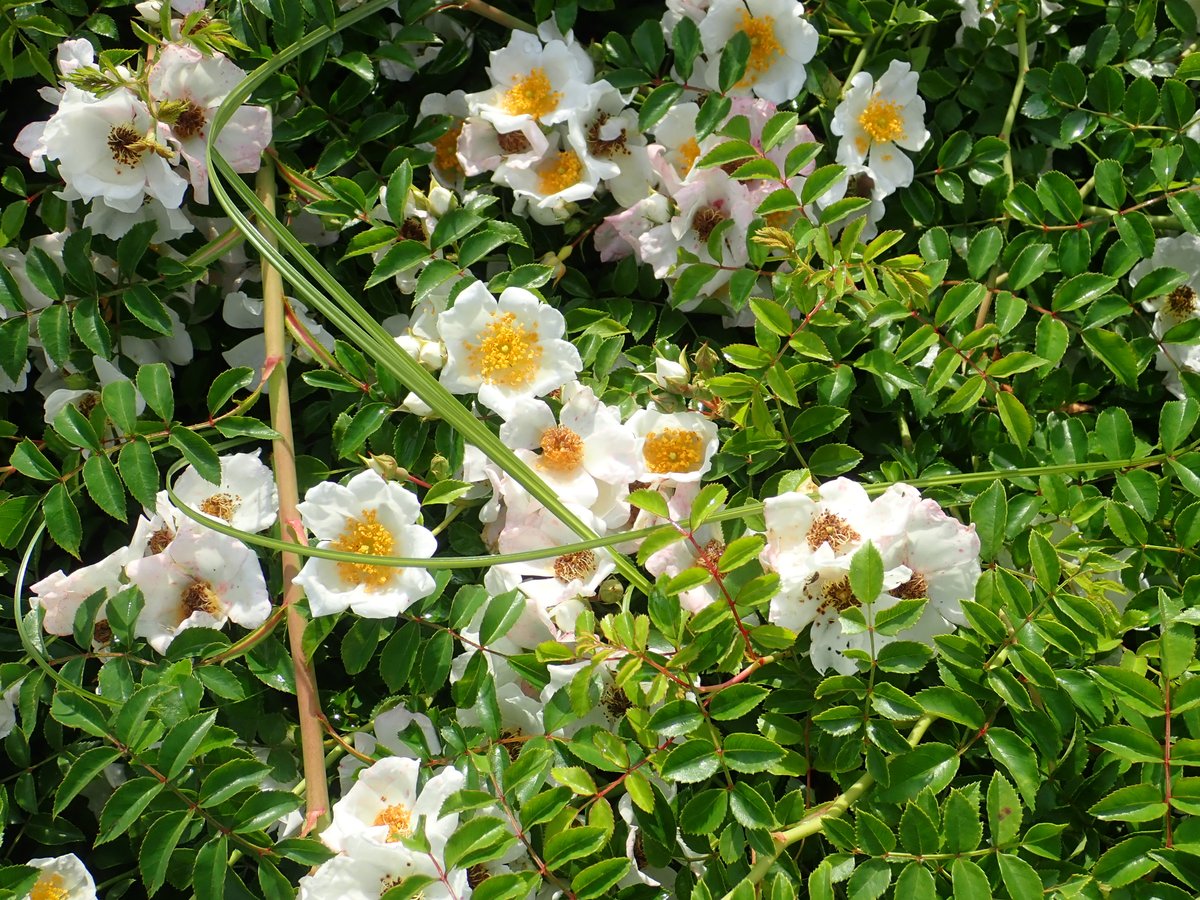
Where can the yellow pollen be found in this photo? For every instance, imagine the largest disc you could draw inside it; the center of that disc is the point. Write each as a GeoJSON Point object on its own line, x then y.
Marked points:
{"type": "Point", "coordinates": [508, 353]}
{"type": "Point", "coordinates": [673, 450]}
{"type": "Point", "coordinates": [221, 506]}
{"type": "Point", "coordinates": [764, 47]}
{"type": "Point", "coordinates": [49, 887]}
{"type": "Point", "coordinates": [563, 170]}
{"type": "Point", "coordinates": [368, 537]}
{"type": "Point", "coordinates": [562, 450]}
{"type": "Point", "coordinates": [445, 155]}
{"type": "Point", "coordinates": [531, 95]}
{"type": "Point", "coordinates": [690, 151]}
{"type": "Point", "coordinates": [398, 819]}
{"type": "Point", "coordinates": [199, 596]}
{"type": "Point", "coordinates": [575, 566]}
{"type": "Point", "coordinates": [881, 120]}
{"type": "Point", "coordinates": [832, 529]}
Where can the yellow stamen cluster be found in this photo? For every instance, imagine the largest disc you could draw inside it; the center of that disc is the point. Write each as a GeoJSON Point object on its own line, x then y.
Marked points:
{"type": "Point", "coordinates": [673, 450]}
{"type": "Point", "coordinates": [221, 506]}
{"type": "Point", "coordinates": [764, 46]}
{"type": "Point", "coordinates": [690, 151]}
{"type": "Point", "coordinates": [49, 887]}
{"type": "Point", "coordinates": [366, 536]}
{"type": "Point", "coordinates": [562, 450]}
{"type": "Point", "coordinates": [508, 353]}
{"type": "Point", "coordinates": [398, 819]}
{"type": "Point", "coordinates": [563, 170]}
{"type": "Point", "coordinates": [881, 120]}
{"type": "Point", "coordinates": [445, 150]}
{"type": "Point", "coordinates": [532, 95]}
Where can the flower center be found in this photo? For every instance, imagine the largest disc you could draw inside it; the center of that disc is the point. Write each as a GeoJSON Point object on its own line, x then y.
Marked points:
{"type": "Point", "coordinates": [199, 596]}
{"type": "Point", "coordinates": [191, 122]}
{"type": "Point", "coordinates": [512, 142]}
{"type": "Point", "coordinates": [598, 146]}
{"type": "Point", "coordinates": [763, 45]}
{"type": "Point", "coordinates": [830, 528]}
{"type": "Point", "coordinates": [673, 450]}
{"type": "Point", "coordinates": [445, 150]}
{"type": "Point", "coordinates": [513, 739]}
{"type": "Point", "coordinates": [689, 150]}
{"type": "Point", "coordinates": [49, 887]}
{"type": "Point", "coordinates": [1181, 302]}
{"type": "Point", "coordinates": [562, 449]}
{"type": "Point", "coordinates": [87, 403]}
{"type": "Point", "coordinates": [125, 145]}
{"type": "Point", "coordinates": [102, 632]}
{"type": "Point", "coordinates": [578, 566]}
{"type": "Point", "coordinates": [705, 220]}
{"type": "Point", "coordinates": [839, 596]}
{"type": "Point", "coordinates": [411, 229]}
{"type": "Point", "coordinates": [160, 540]}
{"type": "Point", "coordinates": [221, 506]}
{"type": "Point", "coordinates": [912, 589]}
{"type": "Point", "coordinates": [563, 170]}
{"type": "Point", "coordinates": [615, 703]}
{"type": "Point", "coordinates": [368, 537]}
{"type": "Point", "coordinates": [531, 95]}
{"type": "Point", "coordinates": [710, 554]}
{"type": "Point", "coordinates": [398, 819]}
{"type": "Point", "coordinates": [477, 875]}
{"type": "Point", "coordinates": [508, 353]}
{"type": "Point", "coordinates": [881, 120]}
{"type": "Point", "coordinates": [861, 185]}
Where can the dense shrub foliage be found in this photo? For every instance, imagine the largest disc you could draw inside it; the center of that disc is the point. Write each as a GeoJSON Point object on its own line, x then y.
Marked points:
{"type": "Point", "coordinates": [709, 449]}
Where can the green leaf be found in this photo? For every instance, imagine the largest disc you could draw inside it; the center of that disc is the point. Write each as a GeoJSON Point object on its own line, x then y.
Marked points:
{"type": "Point", "coordinates": [31, 462]}
{"type": "Point", "coordinates": [983, 251]}
{"type": "Point", "coordinates": [970, 882]}
{"type": "Point", "coordinates": [1015, 418]}
{"type": "Point", "coordinates": [1133, 803]}
{"type": "Point", "coordinates": [690, 762]}
{"type": "Point", "coordinates": [750, 753]}
{"type": "Point", "coordinates": [398, 186]}
{"type": "Point", "coordinates": [478, 840]}
{"type": "Point", "coordinates": [104, 485]}
{"type": "Point", "coordinates": [262, 808]}
{"type": "Point", "coordinates": [208, 874]}
{"type": "Point", "coordinates": [1029, 265]}
{"type": "Point", "coordinates": [138, 471]}
{"type": "Point", "coordinates": [368, 420]}
{"type": "Point", "coordinates": [83, 771]}
{"type": "Point", "coordinates": [398, 259]}
{"type": "Point", "coordinates": [1110, 183]}
{"type": "Point", "coordinates": [929, 765]}
{"type": "Point", "coordinates": [125, 805]}
{"type": "Point", "coordinates": [749, 808]}
{"type": "Point", "coordinates": [230, 779]}
{"type": "Point", "coordinates": [658, 103]}
{"type": "Point", "coordinates": [160, 842]}
{"type": "Point", "coordinates": [154, 383]}
{"type": "Point", "coordinates": [1081, 290]}
{"type": "Point", "coordinates": [962, 826]}
{"type": "Point", "coordinates": [599, 878]}
{"type": "Point", "coordinates": [147, 308]}
{"type": "Point", "coordinates": [119, 399]}
{"type": "Point", "coordinates": [574, 843]}
{"type": "Point", "coordinates": [677, 718]}
{"type": "Point", "coordinates": [1130, 688]}
{"type": "Point", "coordinates": [734, 57]}
{"type": "Point", "coordinates": [1016, 756]}
{"type": "Point", "coordinates": [227, 384]}
{"type": "Point", "coordinates": [736, 701]}
{"type": "Point", "coordinates": [866, 573]}
{"type": "Point", "coordinates": [704, 813]}
{"type": "Point", "coordinates": [1004, 810]}
{"type": "Point", "coordinates": [1157, 283]}
{"type": "Point", "coordinates": [54, 331]}
{"type": "Point", "coordinates": [1176, 421]}
{"type": "Point", "coordinates": [1114, 351]}
{"type": "Point", "coordinates": [1128, 743]}
{"type": "Point", "coordinates": [62, 519]}
{"type": "Point", "coordinates": [501, 615]}
{"type": "Point", "coordinates": [961, 300]}
{"type": "Point", "coordinates": [820, 182]}
{"type": "Point", "coordinates": [870, 880]}
{"type": "Point", "coordinates": [915, 883]}
{"type": "Point", "coordinates": [1060, 197]}
{"type": "Point", "coordinates": [197, 451]}
{"type": "Point", "coordinates": [452, 227]}
{"type": "Point", "coordinates": [989, 514]}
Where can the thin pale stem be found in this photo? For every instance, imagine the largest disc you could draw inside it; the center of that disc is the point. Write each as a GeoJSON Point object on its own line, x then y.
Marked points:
{"type": "Point", "coordinates": [1018, 89]}
{"type": "Point", "coordinates": [284, 461]}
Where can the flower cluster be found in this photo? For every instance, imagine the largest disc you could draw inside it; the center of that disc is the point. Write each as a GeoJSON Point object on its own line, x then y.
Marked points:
{"type": "Point", "coordinates": [188, 575]}
{"type": "Point", "coordinates": [926, 556]}
{"type": "Point", "coordinates": [118, 136]}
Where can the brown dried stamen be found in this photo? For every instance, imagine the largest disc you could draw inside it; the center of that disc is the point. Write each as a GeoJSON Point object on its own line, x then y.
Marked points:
{"type": "Point", "coordinates": [513, 142]}
{"type": "Point", "coordinates": [411, 229]}
{"type": "Point", "coordinates": [912, 589]}
{"type": "Point", "coordinates": [840, 596]}
{"type": "Point", "coordinates": [639, 851]}
{"type": "Point", "coordinates": [614, 701]}
{"type": "Point", "coordinates": [199, 596]}
{"type": "Point", "coordinates": [477, 875]}
{"type": "Point", "coordinates": [598, 146]}
{"type": "Point", "coordinates": [102, 632]}
{"type": "Point", "coordinates": [705, 220]}
{"type": "Point", "coordinates": [512, 740]}
{"type": "Point", "coordinates": [221, 506]}
{"type": "Point", "coordinates": [124, 143]}
{"type": "Point", "coordinates": [191, 122]}
{"type": "Point", "coordinates": [87, 403]}
{"type": "Point", "coordinates": [861, 185]}
{"type": "Point", "coordinates": [578, 566]}
{"type": "Point", "coordinates": [1181, 302]}
{"type": "Point", "coordinates": [710, 554]}
{"type": "Point", "coordinates": [832, 529]}
{"type": "Point", "coordinates": [160, 540]}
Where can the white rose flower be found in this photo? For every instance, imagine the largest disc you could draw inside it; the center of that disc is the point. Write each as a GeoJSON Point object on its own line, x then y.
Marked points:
{"type": "Point", "coordinates": [202, 580]}
{"type": "Point", "coordinates": [505, 349]}
{"type": "Point", "coordinates": [804, 533]}
{"type": "Point", "coordinates": [62, 878]}
{"type": "Point", "coordinates": [61, 595]}
{"type": "Point", "coordinates": [367, 870]}
{"type": "Point", "coordinates": [781, 43]}
{"type": "Point", "coordinates": [1181, 252]}
{"type": "Point", "coordinates": [373, 517]}
{"type": "Point", "coordinates": [385, 737]}
{"type": "Point", "coordinates": [678, 446]}
{"type": "Point", "coordinates": [878, 119]}
{"type": "Point", "coordinates": [246, 498]}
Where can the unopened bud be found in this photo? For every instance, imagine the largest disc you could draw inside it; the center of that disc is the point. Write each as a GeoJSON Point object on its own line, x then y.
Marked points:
{"type": "Point", "coordinates": [386, 466]}
{"type": "Point", "coordinates": [439, 469]}
{"type": "Point", "coordinates": [611, 591]}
